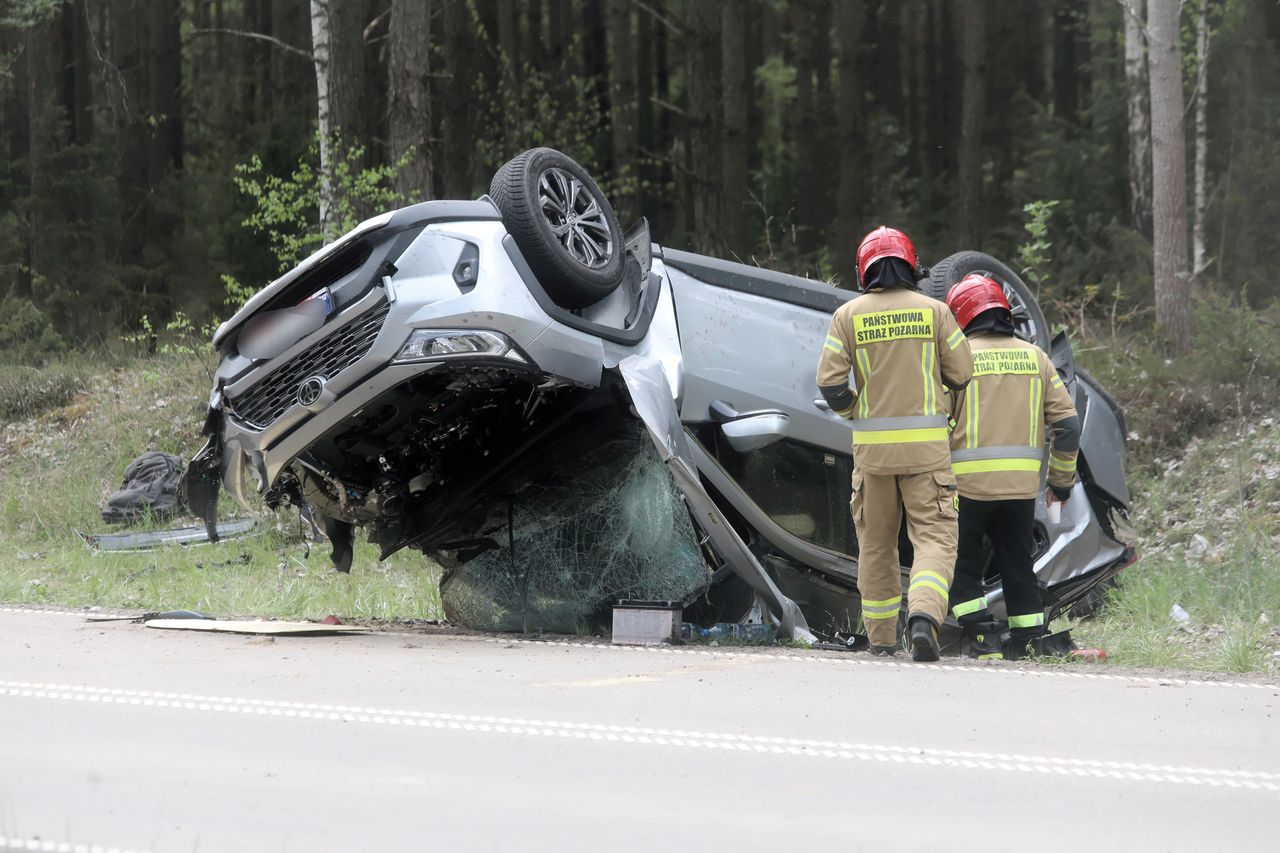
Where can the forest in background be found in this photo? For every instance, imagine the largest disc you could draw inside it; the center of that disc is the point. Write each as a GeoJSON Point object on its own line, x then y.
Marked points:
{"type": "Point", "coordinates": [152, 147]}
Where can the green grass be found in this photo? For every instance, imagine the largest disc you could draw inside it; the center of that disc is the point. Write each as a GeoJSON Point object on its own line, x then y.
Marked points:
{"type": "Point", "coordinates": [1226, 490]}
{"type": "Point", "coordinates": [68, 450]}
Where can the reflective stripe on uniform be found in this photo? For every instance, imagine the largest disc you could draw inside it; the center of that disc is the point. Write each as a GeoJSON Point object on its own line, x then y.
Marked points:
{"type": "Point", "coordinates": [932, 580]}
{"type": "Point", "coordinates": [1031, 620]}
{"type": "Point", "coordinates": [904, 430]}
{"type": "Point", "coordinates": [1037, 387]}
{"type": "Point", "coordinates": [930, 389]}
{"type": "Point", "coordinates": [833, 344]}
{"type": "Point", "coordinates": [974, 398]}
{"type": "Point", "coordinates": [957, 338]}
{"type": "Point", "coordinates": [899, 436]}
{"type": "Point", "coordinates": [886, 608]}
{"type": "Point", "coordinates": [864, 365]}
{"type": "Point", "coordinates": [973, 605]}
{"type": "Point", "coordinates": [1056, 381]}
{"type": "Point", "coordinates": [1061, 463]}
{"type": "Point", "coordinates": [1012, 451]}
{"type": "Point", "coordinates": [989, 466]}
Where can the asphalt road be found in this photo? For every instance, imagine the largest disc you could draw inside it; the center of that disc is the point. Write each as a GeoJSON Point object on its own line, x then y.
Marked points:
{"type": "Point", "coordinates": [117, 736]}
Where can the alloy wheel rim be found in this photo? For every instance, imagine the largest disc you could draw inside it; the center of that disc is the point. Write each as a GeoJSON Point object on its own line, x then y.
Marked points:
{"type": "Point", "coordinates": [576, 219]}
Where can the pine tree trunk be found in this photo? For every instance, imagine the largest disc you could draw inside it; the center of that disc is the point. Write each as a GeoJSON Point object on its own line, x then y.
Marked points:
{"type": "Point", "coordinates": [324, 125]}
{"type": "Point", "coordinates": [409, 98]}
{"type": "Point", "coordinates": [1138, 84]}
{"type": "Point", "coordinates": [81, 66]}
{"type": "Point", "coordinates": [645, 141]}
{"type": "Point", "coordinates": [850, 21]}
{"type": "Point", "coordinates": [702, 52]}
{"type": "Point", "coordinates": [733, 75]}
{"type": "Point", "coordinates": [622, 106]}
{"type": "Point", "coordinates": [347, 70]}
{"type": "Point", "coordinates": [1198, 260]}
{"type": "Point", "coordinates": [973, 34]}
{"type": "Point", "coordinates": [804, 128]}
{"type": "Point", "coordinates": [1169, 172]}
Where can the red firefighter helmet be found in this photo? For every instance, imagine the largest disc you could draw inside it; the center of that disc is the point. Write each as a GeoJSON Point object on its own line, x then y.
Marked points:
{"type": "Point", "coordinates": [885, 242]}
{"type": "Point", "coordinates": [974, 294]}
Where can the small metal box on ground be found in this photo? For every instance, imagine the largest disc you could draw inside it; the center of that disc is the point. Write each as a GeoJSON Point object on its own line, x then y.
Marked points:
{"type": "Point", "coordinates": [646, 623]}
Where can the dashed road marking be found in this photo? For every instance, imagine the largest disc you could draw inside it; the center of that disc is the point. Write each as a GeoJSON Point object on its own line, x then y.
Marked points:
{"type": "Point", "coordinates": [834, 659]}
{"type": "Point", "coordinates": [59, 846]}
{"type": "Point", "coordinates": [855, 659]}
{"type": "Point", "coordinates": [680, 738]}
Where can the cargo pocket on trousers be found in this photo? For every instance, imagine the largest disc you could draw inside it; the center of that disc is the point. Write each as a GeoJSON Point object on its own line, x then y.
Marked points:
{"type": "Point", "coordinates": [856, 500]}
{"type": "Point", "coordinates": [948, 498]}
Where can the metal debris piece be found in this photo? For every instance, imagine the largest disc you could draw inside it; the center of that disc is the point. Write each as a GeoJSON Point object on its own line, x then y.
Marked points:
{"type": "Point", "coordinates": [256, 626]}
{"type": "Point", "coordinates": [194, 535]}
{"type": "Point", "coordinates": [147, 617]}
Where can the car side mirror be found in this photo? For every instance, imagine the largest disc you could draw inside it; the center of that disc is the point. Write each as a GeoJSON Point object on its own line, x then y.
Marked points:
{"type": "Point", "coordinates": [748, 431]}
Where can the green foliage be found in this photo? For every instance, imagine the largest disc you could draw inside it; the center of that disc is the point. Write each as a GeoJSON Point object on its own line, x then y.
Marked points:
{"type": "Point", "coordinates": [26, 333]}
{"type": "Point", "coordinates": [1034, 255]}
{"type": "Point", "coordinates": [286, 210]}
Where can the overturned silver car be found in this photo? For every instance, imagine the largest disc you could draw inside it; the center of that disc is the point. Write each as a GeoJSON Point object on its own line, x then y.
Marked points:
{"type": "Point", "coordinates": [563, 415]}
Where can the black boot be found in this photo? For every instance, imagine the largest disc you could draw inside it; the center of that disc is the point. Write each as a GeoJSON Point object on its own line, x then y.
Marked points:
{"type": "Point", "coordinates": [981, 640]}
{"type": "Point", "coordinates": [924, 639]}
{"type": "Point", "coordinates": [1022, 644]}
{"type": "Point", "coordinates": [882, 651]}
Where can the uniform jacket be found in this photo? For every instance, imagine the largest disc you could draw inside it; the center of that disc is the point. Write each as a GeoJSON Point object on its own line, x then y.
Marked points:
{"type": "Point", "coordinates": [997, 447]}
{"type": "Point", "coordinates": [904, 350]}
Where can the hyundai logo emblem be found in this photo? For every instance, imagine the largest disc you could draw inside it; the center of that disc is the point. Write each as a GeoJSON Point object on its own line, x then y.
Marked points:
{"type": "Point", "coordinates": [310, 390]}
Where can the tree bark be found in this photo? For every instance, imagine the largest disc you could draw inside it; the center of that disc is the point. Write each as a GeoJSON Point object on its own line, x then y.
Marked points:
{"type": "Point", "coordinates": [733, 182]}
{"type": "Point", "coordinates": [80, 66]}
{"type": "Point", "coordinates": [804, 128]}
{"type": "Point", "coordinates": [645, 141]}
{"type": "Point", "coordinates": [622, 105]}
{"type": "Point", "coordinates": [165, 68]}
{"type": "Point", "coordinates": [346, 69]}
{"type": "Point", "coordinates": [320, 24]}
{"type": "Point", "coordinates": [1169, 172]}
{"type": "Point", "coordinates": [702, 51]}
{"type": "Point", "coordinates": [973, 103]}
{"type": "Point", "coordinates": [850, 20]}
{"type": "Point", "coordinates": [409, 99]}
{"type": "Point", "coordinates": [1138, 84]}
{"type": "Point", "coordinates": [1198, 260]}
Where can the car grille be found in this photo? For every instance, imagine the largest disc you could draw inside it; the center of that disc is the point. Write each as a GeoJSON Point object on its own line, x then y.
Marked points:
{"type": "Point", "coordinates": [270, 398]}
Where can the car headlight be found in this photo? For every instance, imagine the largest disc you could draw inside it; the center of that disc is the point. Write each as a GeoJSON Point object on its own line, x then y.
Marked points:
{"type": "Point", "coordinates": [436, 344]}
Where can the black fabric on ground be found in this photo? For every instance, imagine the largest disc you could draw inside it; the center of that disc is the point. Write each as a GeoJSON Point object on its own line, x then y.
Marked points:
{"type": "Point", "coordinates": [1008, 524]}
{"type": "Point", "coordinates": [151, 488]}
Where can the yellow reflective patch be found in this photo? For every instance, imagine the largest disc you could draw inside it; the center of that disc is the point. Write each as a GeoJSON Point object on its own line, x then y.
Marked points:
{"type": "Point", "coordinates": [989, 362]}
{"type": "Point", "coordinates": [987, 466]}
{"type": "Point", "coordinates": [864, 365]}
{"type": "Point", "coordinates": [1037, 387]}
{"type": "Point", "coordinates": [899, 436]}
{"type": "Point", "coordinates": [1061, 464]}
{"type": "Point", "coordinates": [957, 338]}
{"type": "Point", "coordinates": [833, 344]}
{"type": "Point", "coordinates": [880, 326]}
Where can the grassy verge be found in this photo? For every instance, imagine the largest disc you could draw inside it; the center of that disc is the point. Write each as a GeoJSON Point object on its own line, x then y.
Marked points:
{"type": "Point", "coordinates": [1209, 520]}
{"type": "Point", "coordinates": [66, 433]}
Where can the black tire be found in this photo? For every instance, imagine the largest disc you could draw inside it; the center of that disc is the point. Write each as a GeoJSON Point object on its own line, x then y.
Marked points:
{"type": "Point", "coordinates": [584, 263]}
{"type": "Point", "coordinates": [1028, 319]}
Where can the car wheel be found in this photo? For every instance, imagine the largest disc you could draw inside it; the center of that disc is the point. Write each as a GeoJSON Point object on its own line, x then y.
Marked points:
{"type": "Point", "coordinates": [563, 225]}
{"type": "Point", "coordinates": [1028, 319]}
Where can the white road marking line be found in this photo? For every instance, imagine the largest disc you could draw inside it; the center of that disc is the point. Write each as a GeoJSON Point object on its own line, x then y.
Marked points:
{"type": "Point", "coordinates": [855, 659]}
{"type": "Point", "coordinates": [837, 659]}
{"type": "Point", "coordinates": [59, 846]}
{"type": "Point", "coordinates": [802, 747]}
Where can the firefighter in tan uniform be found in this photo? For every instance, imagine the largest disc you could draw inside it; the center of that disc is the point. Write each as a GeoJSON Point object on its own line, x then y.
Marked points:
{"type": "Point", "coordinates": [997, 450]}
{"type": "Point", "coordinates": [901, 348]}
